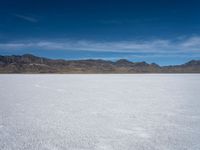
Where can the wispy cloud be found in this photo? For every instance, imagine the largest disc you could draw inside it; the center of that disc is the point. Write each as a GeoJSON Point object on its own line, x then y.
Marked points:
{"type": "Point", "coordinates": [106, 22]}
{"type": "Point", "coordinates": [127, 21]}
{"type": "Point", "coordinates": [26, 18]}
{"type": "Point", "coordinates": [191, 44]}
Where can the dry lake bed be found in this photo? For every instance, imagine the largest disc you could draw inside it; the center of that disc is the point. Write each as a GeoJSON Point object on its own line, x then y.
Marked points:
{"type": "Point", "coordinates": [100, 112]}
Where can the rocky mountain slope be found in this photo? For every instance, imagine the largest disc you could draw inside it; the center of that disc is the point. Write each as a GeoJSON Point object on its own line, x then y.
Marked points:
{"type": "Point", "coordinates": [32, 64]}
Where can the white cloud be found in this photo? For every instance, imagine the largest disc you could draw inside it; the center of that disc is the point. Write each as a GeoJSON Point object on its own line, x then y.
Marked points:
{"type": "Point", "coordinates": [26, 18]}
{"type": "Point", "coordinates": [192, 43]}
{"type": "Point", "coordinates": [159, 46]}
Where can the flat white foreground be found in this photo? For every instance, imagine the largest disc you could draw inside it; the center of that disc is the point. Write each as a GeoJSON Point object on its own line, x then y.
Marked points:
{"type": "Point", "coordinates": [100, 112]}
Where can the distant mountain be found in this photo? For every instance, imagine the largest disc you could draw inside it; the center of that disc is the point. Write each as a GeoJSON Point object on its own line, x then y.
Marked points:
{"type": "Point", "coordinates": [32, 64]}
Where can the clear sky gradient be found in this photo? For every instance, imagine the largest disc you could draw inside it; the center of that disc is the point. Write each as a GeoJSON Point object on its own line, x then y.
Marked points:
{"type": "Point", "coordinates": [161, 31]}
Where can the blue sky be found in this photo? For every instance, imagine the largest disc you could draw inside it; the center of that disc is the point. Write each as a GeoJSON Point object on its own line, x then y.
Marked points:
{"type": "Point", "coordinates": [161, 31]}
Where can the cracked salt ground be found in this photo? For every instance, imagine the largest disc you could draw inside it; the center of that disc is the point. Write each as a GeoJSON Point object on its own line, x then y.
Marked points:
{"type": "Point", "coordinates": [100, 112]}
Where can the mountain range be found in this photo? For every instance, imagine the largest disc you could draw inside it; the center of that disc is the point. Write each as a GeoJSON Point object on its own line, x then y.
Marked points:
{"type": "Point", "coordinates": [29, 63]}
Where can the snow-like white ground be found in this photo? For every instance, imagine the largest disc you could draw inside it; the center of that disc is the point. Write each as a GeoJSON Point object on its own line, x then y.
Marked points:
{"type": "Point", "coordinates": [100, 112]}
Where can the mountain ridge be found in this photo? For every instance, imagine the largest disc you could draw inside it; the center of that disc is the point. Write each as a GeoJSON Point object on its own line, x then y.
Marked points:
{"type": "Point", "coordinates": [29, 63]}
